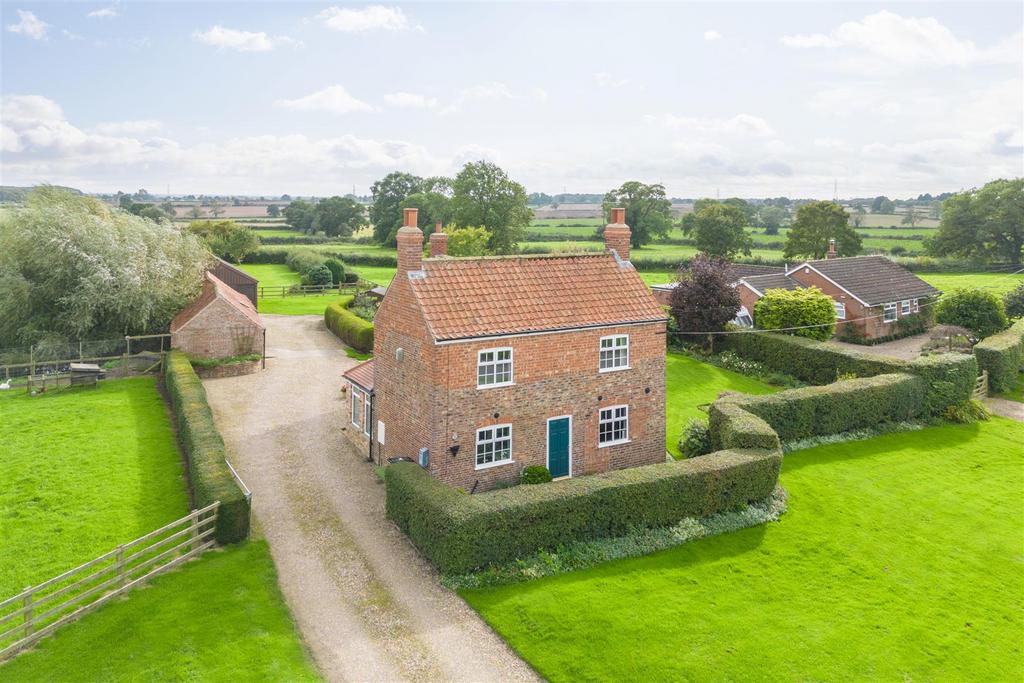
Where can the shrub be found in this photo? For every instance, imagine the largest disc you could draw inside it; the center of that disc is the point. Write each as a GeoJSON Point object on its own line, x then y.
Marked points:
{"type": "Point", "coordinates": [303, 260]}
{"type": "Point", "coordinates": [835, 408]}
{"type": "Point", "coordinates": [337, 269]}
{"type": "Point", "coordinates": [468, 241]}
{"type": "Point", "coordinates": [1013, 301]}
{"type": "Point", "coordinates": [1003, 356]}
{"type": "Point", "coordinates": [347, 326]}
{"type": "Point", "coordinates": [979, 311]}
{"type": "Point", "coordinates": [208, 473]}
{"type": "Point", "coordinates": [696, 439]}
{"type": "Point", "coordinates": [319, 276]}
{"type": "Point", "coordinates": [536, 474]}
{"type": "Point", "coordinates": [782, 308]}
{"type": "Point", "coordinates": [459, 532]}
{"type": "Point", "coordinates": [949, 378]}
{"type": "Point", "coordinates": [966, 412]}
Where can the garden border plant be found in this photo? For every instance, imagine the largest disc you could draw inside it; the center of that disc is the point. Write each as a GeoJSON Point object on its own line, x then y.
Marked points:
{"type": "Point", "coordinates": [208, 473]}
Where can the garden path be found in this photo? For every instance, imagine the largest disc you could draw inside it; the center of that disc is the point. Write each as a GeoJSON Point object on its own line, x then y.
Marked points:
{"type": "Point", "coordinates": [368, 606]}
{"type": "Point", "coordinates": [1006, 408]}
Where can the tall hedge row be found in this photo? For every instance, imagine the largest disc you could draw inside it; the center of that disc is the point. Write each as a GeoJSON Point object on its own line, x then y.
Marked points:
{"type": "Point", "coordinates": [459, 532]}
{"type": "Point", "coordinates": [209, 475]}
{"type": "Point", "coordinates": [349, 327]}
{"type": "Point", "coordinates": [817, 411]}
{"type": "Point", "coordinates": [949, 378]}
{"type": "Point", "coordinates": [1003, 356]}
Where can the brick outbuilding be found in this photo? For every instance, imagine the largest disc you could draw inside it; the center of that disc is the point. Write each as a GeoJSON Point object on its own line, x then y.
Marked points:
{"type": "Point", "coordinates": [483, 366]}
{"type": "Point", "coordinates": [219, 323]}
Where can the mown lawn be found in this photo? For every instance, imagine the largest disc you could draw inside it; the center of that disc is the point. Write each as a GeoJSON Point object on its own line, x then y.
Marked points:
{"type": "Point", "coordinates": [271, 274]}
{"type": "Point", "coordinates": [218, 618]}
{"type": "Point", "coordinates": [899, 559]}
{"type": "Point", "coordinates": [297, 304]}
{"type": "Point", "coordinates": [690, 384]}
{"type": "Point", "coordinates": [82, 471]}
{"type": "Point", "coordinates": [994, 282]}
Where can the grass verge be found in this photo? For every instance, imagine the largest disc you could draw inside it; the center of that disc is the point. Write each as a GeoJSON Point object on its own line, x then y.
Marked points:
{"type": "Point", "coordinates": [898, 558]}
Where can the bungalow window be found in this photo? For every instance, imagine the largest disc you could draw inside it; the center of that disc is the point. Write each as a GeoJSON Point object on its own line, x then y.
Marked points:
{"type": "Point", "coordinates": [613, 426]}
{"type": "Point", "coordinates": [916, 306]}
{"type": "Point", "coordinates": [493, 446]}
{"type": "Point", "coordinates": [494, 368]}
{"type": "Point", "coordinates": [367, 402]}
{"type": "Point", "coordinates": [840, 310]}
{"type": "Point", "coordinates": [905, 307]}
{"type": "Point", "coordinates": [614, 352]}
{"type": "Point", "coordinates": [357, 407]}
{"type": "Point", "coordinates": [889, 313]}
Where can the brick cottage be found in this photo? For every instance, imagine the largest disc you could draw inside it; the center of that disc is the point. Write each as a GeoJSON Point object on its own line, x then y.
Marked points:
{"type": "Point", "coordinates": [483, 366]}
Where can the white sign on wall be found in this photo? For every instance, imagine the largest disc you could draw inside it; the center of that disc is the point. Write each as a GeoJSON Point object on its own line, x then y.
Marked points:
{"type": "Point", "coordinates": [380, 432]}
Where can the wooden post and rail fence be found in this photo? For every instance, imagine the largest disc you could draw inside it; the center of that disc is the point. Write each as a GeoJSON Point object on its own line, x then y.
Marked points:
{"type": "Point", "coordinates": [309, 290]}
{"type": "Point", "coordinates": [40, 610]}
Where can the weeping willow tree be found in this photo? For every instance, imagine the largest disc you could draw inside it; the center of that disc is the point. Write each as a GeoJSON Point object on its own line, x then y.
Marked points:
{"type": "Point", "coordinates": [73, 268]}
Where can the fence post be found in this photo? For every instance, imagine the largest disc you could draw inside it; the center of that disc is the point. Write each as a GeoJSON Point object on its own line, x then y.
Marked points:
{"type": "Point", "coordinates": [29, 620]}
{"type": "Point", "coordinates": [32, 359]}
{"type": "Point", "coordinates": [195, 533]}
{"type": "Point", "coordinates": [121, 573]}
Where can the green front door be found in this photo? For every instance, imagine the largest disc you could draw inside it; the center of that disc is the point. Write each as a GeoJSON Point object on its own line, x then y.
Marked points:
{"type": "Point", "coordinates": [559, 429]}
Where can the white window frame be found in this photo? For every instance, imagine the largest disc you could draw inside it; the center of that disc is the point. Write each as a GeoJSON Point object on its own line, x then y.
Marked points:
{"type": "Point", "coordinates": [915, 305]}
{"type": "Point", "coordinates": [840, 307]}
{"type": "Point", "coordinates": [601, 420]}
{"type": "Point", "coordinates": [905, 307]}
{"type": "Point", "coordinates": [493, 439]}
{"type": "Point", "coordinates": [612, 350]}
{"type": "Point", "coordinates": [357, 405]}
{"type": "Point", "coordinates": [495, 363]}
{"type": "Point", "coordinates": [367, 402]}
{"type": "Point", "coordinates": [886, 308]}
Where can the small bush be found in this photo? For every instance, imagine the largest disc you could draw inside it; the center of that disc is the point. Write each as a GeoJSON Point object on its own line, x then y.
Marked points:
{"type": "Point", "coordinates": [979, 311]}
{"type": "Point", "coordinates": [303, 260]}
{"type": "Point", "coordinates": [337, 269]}
{"type": "Point", "coordinates": [1013, 301]}
{"type": "Point", "coordinates": [1003, 356]}
{"type": "Point", "coordinates": [347, 326]}
{"type": "Point", "coordinates": [536, 474]}
{"type": "Point", "coordinates": [779, 309]}
{"type": "Point", "coordinates": [696, 439]}
{"type": "Point", "coordinates": [319, 276]}
{"type": "Point", "coordinates": [208, 473]}
{"type": "Point", "coordinates": [966, 412]}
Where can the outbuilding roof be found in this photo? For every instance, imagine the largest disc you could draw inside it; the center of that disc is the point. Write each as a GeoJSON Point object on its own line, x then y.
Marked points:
{"type": "Point", "coordinates": [490, 296]}
{"type": "Point", "coordinates": [213, 289]}
{"type": "Point", "coordinates": [872, 279]}
{"type": "Point", "coordinates": [361, 375]}
{"type": "Point", "coordinates": [762, 283]}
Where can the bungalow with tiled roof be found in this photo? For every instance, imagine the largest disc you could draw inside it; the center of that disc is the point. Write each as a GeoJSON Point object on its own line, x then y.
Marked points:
{"type": "Point", "coordinates": [872, 295]}
{"type": "Point", "coordinates": [483, 366]}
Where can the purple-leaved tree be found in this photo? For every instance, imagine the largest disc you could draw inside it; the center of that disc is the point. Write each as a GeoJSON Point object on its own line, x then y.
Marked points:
{"type": "Point", "coordinates": [704, 300]}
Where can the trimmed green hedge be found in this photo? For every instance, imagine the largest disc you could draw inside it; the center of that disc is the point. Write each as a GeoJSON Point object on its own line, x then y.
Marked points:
{"type": "Point", "coordinates": [349, 327]}
{"type": "Point", "coordinates": [209, 476]}
{"type": "Point", "coordinates": [1003, 356]}
{"type": "Point", "coordinates": [949, 378]}
{"type": "Point", "coordinates": [817, 411]}
{"type": "Point", "coordinates": [733, 427]}
{"type": "Point", "coordinates": [459, 532]}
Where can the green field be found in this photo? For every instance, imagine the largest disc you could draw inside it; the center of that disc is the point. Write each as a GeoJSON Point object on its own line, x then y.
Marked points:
{"type": "Point", "coordinates": [277, 232]}
{"type": "Point", "coordinates": [271, 274]}
{"type": "Point", "coordinates": [84, 470]}
{"type": "Point", "coordinates": [899, 559]}
{"type": "Point", "coordinates": [691, 384]}
{"type": "Point", "coordinates": [211, 620]}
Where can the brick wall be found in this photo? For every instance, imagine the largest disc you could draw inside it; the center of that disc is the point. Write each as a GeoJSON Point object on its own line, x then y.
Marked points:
{"type": "Point", "coordinates": [554, 375]}
{"type": "Point", "coordinates": [219, 331]}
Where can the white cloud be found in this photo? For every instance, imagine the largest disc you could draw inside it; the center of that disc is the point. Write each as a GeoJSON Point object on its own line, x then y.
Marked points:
{"type": "Point", "coordinates": [408, 100]}
{"type": "Point", "coordinates": [103, 13]}
{"type": "Point", "coordinates": [370, 18]}
{"type": "Point", "coordinates": [334, 99]}
{"type": "Point", "coordinates": [29, 25]}
{"type": "Point", "coordinates": [745, 125]}
{"type": "Point", "coordinates": [712, 35]}
{"type": "Point", "coordinates": [71, 35]}
{"type": "Point", "coordinates": [136, 127]}
{"type": "Point", "coordinates": [888, 39]}
{"type": "Point", "coordinates": [243, 41]}
{"type": "Point", "coordinates": [491, 92]}
{"type": "Point", "coordinates": [606, 80]}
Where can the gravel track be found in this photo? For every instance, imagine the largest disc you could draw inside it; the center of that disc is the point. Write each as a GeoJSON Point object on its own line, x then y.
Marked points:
{"type": "Point", "coordinates": [367, 605]}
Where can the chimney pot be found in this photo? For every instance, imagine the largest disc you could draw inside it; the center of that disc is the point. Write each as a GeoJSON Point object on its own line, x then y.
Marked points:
{"type": "Point", "coordinates": [618, 216]}
{"type": "Point", "coordinates": [410, 218]}
{"type": "Point", "coordinates": [438, 241]}
{"type": "Point", "coordinates": [617, 234]}
{"type": "Point", "coordinates": [831, 249]}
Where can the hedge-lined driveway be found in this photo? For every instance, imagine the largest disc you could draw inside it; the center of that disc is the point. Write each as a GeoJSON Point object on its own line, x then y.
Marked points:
{"type": "Point", "coordinates": [365, 602]}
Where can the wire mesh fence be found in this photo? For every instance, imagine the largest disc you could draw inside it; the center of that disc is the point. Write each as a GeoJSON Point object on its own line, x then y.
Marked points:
{"type": "Point", "coordinates": [50, 361]}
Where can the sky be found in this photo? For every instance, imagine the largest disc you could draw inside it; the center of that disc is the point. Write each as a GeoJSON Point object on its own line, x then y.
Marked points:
{"type": "Point", "coordinates": [736, 99]}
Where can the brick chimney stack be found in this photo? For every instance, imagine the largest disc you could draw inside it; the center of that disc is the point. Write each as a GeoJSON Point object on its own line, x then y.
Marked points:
{"type": "Point", "coordinates": [410, 243]}
{"type": "Point", "coordinates": [831, 249]}
{"type": "Point", "coordinates": [438, 241]}
{"type": "Point", "coordinates": [617, 234]}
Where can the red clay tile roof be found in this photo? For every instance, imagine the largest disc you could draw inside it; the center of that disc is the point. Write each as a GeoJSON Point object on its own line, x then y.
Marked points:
{"type": "Point", "coordinates": [213, 288]}
{"type": "Point", "coordinates": [478, 297]}
{"type": "Point", "coordinates": [361, 375]}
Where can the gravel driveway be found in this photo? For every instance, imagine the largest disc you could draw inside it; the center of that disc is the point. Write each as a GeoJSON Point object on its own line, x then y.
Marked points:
{"type": "Point", "coordinates": [368, 606]}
